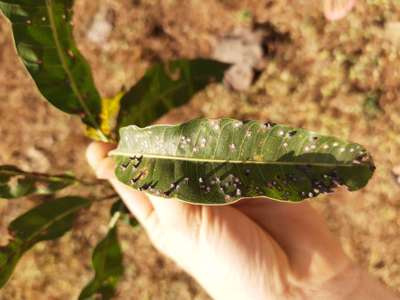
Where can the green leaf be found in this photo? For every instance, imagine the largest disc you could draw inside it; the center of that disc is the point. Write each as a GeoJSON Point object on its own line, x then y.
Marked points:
{"type": "Point", "coordinates": [166, 86]}
{"type": "Point", "coordinates": [107, 263]}
{"type": "Point", "coordinates": [44, 41]}
{"type": "Point", "coordinates": [47, 221]}
{"type": "Point", "coordinates": [220, 161]}
{"type": "Point", "coordinates": [126, 216]}
{"type": "Point", "coordinates": [15, 183]}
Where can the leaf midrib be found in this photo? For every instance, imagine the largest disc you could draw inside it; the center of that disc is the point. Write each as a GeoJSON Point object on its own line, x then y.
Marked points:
{"type": "Point", "coordinates": [183, 158]}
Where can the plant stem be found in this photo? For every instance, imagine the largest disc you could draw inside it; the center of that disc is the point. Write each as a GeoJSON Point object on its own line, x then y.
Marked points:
{"type": "Point", "coordinates": [90, 183]}
{"type": "Point", "coordinates": [45, 176]}
{"type": "Point", "coordinates": [108, 197]}
{"type": "Point", "coordinates": [114, 220]}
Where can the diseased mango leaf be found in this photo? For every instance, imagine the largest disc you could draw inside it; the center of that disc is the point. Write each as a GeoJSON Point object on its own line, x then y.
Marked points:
{"type": "Point", "coordinates": [44, 41]}
{"type": "Point", "coordinates": [220, 161]}
{"type": "Point", "coordinates": [47, 221]}
{"type": "Point", "coordinates": [15, 183]}
{"type": "Point", "coordinates": [126, 216]}
{"type": "Point", "coordinates": [166, 86]}
{"type": "Point", "coordinates": [107, 263]}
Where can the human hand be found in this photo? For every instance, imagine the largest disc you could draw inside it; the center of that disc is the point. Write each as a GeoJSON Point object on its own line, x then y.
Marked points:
{"type": "Point", "coordinates": [254, 249]}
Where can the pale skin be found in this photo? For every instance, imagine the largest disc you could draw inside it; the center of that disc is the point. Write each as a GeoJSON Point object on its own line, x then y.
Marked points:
{"type": "Point", "coordinates": [254, 249]}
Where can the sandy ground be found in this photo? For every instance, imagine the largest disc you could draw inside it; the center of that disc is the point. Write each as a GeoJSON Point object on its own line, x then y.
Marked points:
{"type": "Point", "coordinates": [317, 75]}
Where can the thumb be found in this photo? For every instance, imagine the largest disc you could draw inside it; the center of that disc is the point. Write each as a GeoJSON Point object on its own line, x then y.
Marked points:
{"type": "Point", "coordinates": [137, 202]}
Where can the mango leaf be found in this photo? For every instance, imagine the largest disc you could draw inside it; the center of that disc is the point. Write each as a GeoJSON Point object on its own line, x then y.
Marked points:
{"type": "Point", "coordinates": [107, 263]}
{"type": "Point", "coordinates": [220, 161]}
{"type": "Point", "coordinates": [15, 183]}
{"type": "Point", "coordinates": [126, 216]}
{"type": "Point", "coordinates": [47, 221]}
{"type": "Point", "coordinates": [166, 86]}
{"type": "Point", "coordinates": [44, 41]}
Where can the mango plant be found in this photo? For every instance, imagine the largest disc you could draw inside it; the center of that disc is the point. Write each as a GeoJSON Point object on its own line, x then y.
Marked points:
{"type": "Point", "coordinates": [204, 161]}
